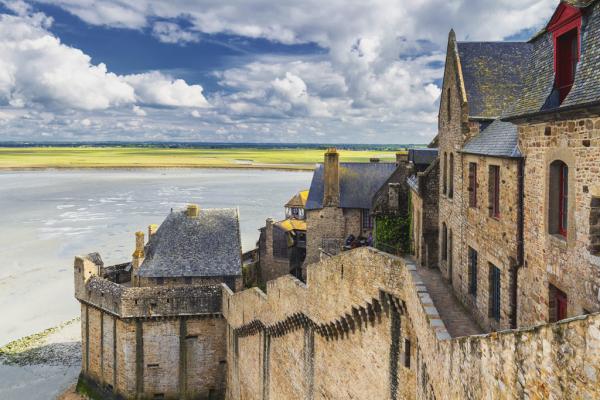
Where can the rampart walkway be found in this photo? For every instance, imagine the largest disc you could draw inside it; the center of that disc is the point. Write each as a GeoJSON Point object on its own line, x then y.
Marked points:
{"type": "Point", "coordinates": [457, 319]}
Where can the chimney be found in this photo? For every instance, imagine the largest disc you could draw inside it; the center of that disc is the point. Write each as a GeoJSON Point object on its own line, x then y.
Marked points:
{"type": "Point", "coordinates": [331, 178]}
{"type": "Point", "coordinates": [401, 158]}
{"type": "Point", "coordinates": [193, 210]}
{"type": "Point", "coordinates": [138, 257]}
{"type": "Point", "coordinates": [152, 230]}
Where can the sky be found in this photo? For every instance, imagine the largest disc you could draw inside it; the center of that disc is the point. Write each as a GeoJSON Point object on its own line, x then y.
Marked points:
{"type": "Point", "coordinates": [301, 71]}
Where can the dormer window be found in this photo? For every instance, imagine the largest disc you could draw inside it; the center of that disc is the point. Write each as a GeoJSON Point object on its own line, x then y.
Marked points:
{"type": "Point", "coordinates": [565, 27]}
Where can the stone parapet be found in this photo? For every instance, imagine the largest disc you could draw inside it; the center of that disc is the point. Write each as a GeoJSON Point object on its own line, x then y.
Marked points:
{"type": "Point", "coordinates": [146, 302]}
{"type": "Point", "coordinates": [558, 360]}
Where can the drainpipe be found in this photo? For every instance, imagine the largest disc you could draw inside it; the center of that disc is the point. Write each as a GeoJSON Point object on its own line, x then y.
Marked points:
{"type": "Point", "coordinates": [520, 242]}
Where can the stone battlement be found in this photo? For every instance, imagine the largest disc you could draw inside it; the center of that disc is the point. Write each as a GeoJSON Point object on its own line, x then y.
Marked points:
{"type": "Point", "coordinates": [365, 305]}
{"type": "Point", "coordinates": [148, 302]}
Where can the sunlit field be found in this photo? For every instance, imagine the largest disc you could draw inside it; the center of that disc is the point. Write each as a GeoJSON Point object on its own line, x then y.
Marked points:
{"type": "Point", "coordinates": [132, 157]}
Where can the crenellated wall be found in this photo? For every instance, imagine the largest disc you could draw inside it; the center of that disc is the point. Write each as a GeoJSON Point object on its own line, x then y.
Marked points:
{"type": "Point", "coordinates": [342, 335]}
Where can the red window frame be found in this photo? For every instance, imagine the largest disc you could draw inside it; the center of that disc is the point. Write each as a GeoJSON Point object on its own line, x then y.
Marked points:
{"type": "Point", "coordinates": [472, 184]}
{"type": "Point", "coordinates": [565, 20]}
{"type": "Point", "coordinates": [563, 199]}
{"type": "Point", "coordinates": [495, 192]}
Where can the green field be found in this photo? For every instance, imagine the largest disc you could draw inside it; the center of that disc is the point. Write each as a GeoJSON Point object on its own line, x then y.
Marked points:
{"type": "Point", "coordinates": [138, 157]}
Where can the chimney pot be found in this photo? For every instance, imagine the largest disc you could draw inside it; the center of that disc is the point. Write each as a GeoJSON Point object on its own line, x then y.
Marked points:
{"type": "Point", "coordinates": [193, 210]}
{"type": "Point", "coordinates": [152, 230]}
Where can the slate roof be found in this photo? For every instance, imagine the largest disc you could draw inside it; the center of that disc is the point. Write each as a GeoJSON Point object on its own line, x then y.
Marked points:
{"type": "Point", "coordinates": [538, 92]}
{"type": "Point", "coordinates": [358, 184]}
{"type": "Point", "coordinates": [499, 139]}
{"type": "Point", "coordinates": [493, 73]}
{"type": "Point", "coordinates": [203, 246]}
{"type": "Point", "coordinates": [422, 156]}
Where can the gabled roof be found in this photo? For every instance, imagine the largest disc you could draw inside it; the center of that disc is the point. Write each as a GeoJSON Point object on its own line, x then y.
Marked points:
{"type": "Point", "coordinates": [298, 200]}
{"type": "Point", "coordinates": [499, 139]}
{"type": "Point", "coordinates": [203, 246]}
{"type": "Point", "coordinates": [358, 184]}
{"type": "Point", "coordinates": [493, 75]}
{"type": "Point", "coordinates": [538, 93]}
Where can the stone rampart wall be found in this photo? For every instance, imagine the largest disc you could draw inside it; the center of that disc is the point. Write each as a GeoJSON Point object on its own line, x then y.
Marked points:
{"type": "Point", "coordinates": [134, 302]}
{"type": "Point", "coordinates": [343, 335]}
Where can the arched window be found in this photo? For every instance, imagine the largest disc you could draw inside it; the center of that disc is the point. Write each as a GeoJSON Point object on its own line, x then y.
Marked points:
{"type": "Point", "coordinates": [558, 218]}
{"type": "Point", "coordinates": [445, 174]}
{"type": "Point", "coordinates": [451, 178]}
{"type": "Point", "coordinates": [444, 242]}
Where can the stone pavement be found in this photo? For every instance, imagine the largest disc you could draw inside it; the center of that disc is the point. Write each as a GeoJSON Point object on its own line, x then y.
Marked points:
{"type": "Point", "coordinates": [457, 319]}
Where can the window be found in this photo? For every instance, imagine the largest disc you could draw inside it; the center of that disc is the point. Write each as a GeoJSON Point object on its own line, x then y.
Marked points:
{"type": "Point", "coordinates": [472, 184]}
{"type": "Point", "coordinates": [494, 191]}
{"type": "Point", "coordinates": [472, 272]}
{"type": "Point", "coordinates": [160, 281]}
{"type": "Point", "coordinates": [558, 205]}
{"type": "Point", "coordinates": [187, 280]}
{"type": "Point", "coordinates": [367, 219]}
{"type": "Point", "coordinates": [565, 27]}
{"type": "Point", "coordinates": [451, 179]}
{"type": "Point", "coordinates": [445, 174]}
{"type": "Point", "coordinates": [494, 290]}
{"type": "Point", "coordinates": [407, 353]}
{"type": "Point", "coordinates": [567, 55]}
{"type": "Point", "coordinates": [557, 304]}
{"type": "Point", "coordinates": [444, 242]}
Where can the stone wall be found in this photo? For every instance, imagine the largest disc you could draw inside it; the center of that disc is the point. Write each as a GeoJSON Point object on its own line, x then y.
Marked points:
{"type": "Point", "coordinates": [151, 342]}
{"type": "Point", "coordinates": [494, 239]}
{"type": "Point", "coordinates": [342, 335]}
{"type": "Point", "coordinates": [425, 214]}
{"type": "Point", "coordinates": [271, 267]}
{"type": "Point", "coordinates": [565, 263]}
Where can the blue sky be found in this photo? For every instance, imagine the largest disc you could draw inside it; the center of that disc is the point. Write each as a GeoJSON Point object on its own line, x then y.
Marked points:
{"type": "Point", "coordinates": [343, 71]}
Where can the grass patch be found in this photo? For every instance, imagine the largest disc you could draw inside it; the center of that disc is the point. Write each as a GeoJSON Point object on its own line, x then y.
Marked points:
{"type": "Point", "coordinates": [135, 157]}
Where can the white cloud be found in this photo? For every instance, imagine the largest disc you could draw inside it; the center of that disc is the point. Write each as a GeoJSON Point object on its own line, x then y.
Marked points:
{"type": "Point", "coordinates": [169, 32]}
{"type": "Point", "coordinates": [36, 68]}
{"type": "Point", "coordinates": [376, 79]}
{"type": "Point", "coordinates": [155, 88]}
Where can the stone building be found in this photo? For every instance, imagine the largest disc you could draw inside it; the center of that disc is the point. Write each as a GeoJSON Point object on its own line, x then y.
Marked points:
{"type": "Point", "coordinates": [153, 328]}
{"type": "Point", "coordinates": [339, 203]}
{"type": "Point", "coordinates": [424, 201]}
{"type": "Point", "coordinates": [508, 161]}
{"type": "Point", "coordinates": [558, 120]}
{"type": "Point", "coordinates": [282, 245]}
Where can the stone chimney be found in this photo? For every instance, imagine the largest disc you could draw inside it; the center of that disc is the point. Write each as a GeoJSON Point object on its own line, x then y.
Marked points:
{"type": "Point", "coordinates": [401, 158]}
{"type": "Point", "coordinates": [138, 257]}
{"type": "Point", "coordinates": [331, 178]}
{"type": "Point", "coordinates": [193, 210]}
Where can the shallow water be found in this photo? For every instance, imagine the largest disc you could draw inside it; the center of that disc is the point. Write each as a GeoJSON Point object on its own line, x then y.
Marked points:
{"type": "Point", "coordinates": [48, 217]}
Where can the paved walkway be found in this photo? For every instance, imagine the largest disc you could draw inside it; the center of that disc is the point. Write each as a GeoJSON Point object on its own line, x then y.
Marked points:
{"type": "Point", "coordinates": [457, 319]}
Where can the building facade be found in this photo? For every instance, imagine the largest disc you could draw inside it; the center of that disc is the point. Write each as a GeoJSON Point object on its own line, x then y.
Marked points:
{"type": "Point", "coordinates": [154, 328]}
{"type": "Point", "coordinates": [339, 203]}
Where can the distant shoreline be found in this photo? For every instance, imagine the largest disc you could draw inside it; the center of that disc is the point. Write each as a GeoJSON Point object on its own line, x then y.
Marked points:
{"type": "Point", "coordinates": [291, 159]}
